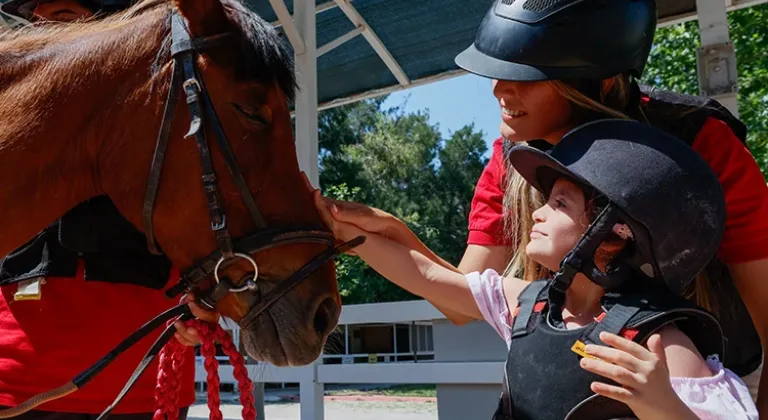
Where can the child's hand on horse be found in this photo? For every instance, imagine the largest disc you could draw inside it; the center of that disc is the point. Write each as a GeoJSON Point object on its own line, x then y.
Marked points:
{"type": "Point", "coordinates": [188, 336]}
{"type": "Point", "coordinates": [641, 372]}
{"type": "Point", "coordinates": [329, 212]}
{"type": "Point", "coordinates": [366, 218]}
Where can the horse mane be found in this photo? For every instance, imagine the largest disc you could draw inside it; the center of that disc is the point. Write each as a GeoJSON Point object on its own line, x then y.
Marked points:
{"type": "Point", "coordinates": [264, 53]}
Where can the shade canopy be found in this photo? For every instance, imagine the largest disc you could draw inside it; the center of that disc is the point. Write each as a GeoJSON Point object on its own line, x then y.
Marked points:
{"type": "Point", "coordinates": [421, 36]}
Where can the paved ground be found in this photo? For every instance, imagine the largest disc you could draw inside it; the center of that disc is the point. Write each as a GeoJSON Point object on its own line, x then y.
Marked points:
{"type": "Point", "coordinates": [334, 410]}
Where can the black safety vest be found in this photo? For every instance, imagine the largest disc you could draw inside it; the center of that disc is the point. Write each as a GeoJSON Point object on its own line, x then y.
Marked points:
{"type": "Point", "coordinates": [684, 116]}
{"type": "Point", "coordinates": [112, 250]}
{"type": "Point", "coordinates": [543, 379]}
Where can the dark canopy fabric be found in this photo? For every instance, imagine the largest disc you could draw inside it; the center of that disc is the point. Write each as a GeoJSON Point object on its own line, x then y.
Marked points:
{"type": "Point", "coordinates": [423, 36]}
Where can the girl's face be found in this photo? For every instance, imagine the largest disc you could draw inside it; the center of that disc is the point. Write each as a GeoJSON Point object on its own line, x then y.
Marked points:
{"type": "Point", "coordinates": [532, 111]}
{"type": "Point", "coordinates": [558, 225]}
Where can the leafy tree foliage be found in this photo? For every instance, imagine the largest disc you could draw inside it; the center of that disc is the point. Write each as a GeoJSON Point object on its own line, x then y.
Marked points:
{"type": "Point", "coordinates": [672, 66]}
{"type": "Point", "coordinates": [400, 163]}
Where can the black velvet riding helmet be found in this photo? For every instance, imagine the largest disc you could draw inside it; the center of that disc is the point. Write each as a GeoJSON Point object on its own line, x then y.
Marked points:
{"type": "Point", "coordinates": [652, 182]}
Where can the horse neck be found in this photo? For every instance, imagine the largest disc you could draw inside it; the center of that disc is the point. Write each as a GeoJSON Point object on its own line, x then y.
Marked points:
{"type": "Point", "coordinates": [61, 99]}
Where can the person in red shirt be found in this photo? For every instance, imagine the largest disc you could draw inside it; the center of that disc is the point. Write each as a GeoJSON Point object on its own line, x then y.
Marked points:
{"type": "Point", "coordinates": [553, 66]}
{"type": "Point", "coordinates": [77, 289]}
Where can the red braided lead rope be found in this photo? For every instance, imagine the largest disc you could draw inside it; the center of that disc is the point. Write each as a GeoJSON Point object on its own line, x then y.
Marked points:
{"type": "Point", "coordinates": [171, 359]}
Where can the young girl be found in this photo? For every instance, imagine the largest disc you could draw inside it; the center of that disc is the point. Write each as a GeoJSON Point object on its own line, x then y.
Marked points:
{"type": "Point", "coordinates": [632, 215]}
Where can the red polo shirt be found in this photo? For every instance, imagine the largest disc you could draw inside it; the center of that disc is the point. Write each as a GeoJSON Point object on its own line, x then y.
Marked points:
{"type": "Point", "coordinates": [746, 195]}
{"type": "Point", "coordinates": [45, 343]}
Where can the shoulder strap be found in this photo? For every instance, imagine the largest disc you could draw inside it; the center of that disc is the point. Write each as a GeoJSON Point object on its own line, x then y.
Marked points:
{"type": "Point", "coordinates": [526, 302]}
{"type": "Point", "coordinates": [637, 316]}
{"type": "Point", "coordinates": [685, 115]}
{"type": "Point", "coordinates": [616, 319]}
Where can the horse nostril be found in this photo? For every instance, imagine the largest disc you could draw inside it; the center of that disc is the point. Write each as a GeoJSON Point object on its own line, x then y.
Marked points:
{"type": "Point", "coordinates": [325, 315]}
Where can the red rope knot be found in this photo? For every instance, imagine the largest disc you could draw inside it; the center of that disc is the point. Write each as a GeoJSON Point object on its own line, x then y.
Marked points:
{"type": "Point", "coordinates": [172, 358]}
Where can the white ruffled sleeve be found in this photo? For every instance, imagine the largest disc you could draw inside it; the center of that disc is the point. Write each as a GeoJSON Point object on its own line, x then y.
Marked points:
{"type": "Point", "coordinates": [723, 396]}
{"type": "Point", "coordinates": [488, 290]}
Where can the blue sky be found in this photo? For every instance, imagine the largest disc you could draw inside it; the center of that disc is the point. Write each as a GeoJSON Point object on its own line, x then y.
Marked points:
{"type": "Point", "coordinates": [454, 103]}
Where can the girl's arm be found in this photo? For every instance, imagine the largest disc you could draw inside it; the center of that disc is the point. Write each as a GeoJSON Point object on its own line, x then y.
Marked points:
{"type": "Point", "coordinates": [418, 274]}
{"type": "Point", "coordinates": [348, 219]}
{"type": "Point", "coordinates": [336, 213]}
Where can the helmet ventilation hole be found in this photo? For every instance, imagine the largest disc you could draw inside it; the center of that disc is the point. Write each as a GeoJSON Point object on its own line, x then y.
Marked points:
{"type": "Point", "coordinates": [538, 6]}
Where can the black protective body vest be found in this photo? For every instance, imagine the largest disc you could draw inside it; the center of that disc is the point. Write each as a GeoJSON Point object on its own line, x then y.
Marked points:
{"type": "Point", "coordinates": [112, 250]}
{"type": "Point", "coordinates": [684, 116]}
{"type": "Point", "coordinates": [543, 379]}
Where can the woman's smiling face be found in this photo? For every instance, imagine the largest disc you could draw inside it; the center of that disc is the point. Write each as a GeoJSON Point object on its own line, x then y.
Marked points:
{"type": "Point", "coordinates": [532, 111]}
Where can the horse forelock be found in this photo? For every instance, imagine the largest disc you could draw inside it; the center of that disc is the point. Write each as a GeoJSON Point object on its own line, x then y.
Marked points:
{"type": "Point", "coordinates": [266, 54]}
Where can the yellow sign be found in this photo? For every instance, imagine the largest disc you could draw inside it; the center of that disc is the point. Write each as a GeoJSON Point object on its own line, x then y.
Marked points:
{"type": "Point", "coordinates": [580, 348]}
{"type": "Point", "coordinates": [372, 358]}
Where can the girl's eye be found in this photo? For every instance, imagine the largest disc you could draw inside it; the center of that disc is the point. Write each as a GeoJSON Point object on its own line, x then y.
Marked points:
{"type": "Point", "coordinates": [560, 203]}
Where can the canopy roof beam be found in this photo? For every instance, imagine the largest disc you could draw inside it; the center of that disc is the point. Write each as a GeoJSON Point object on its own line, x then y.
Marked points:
{"type": "Point", "coordinates": [319, 9]}
{"type": "Point", "coordinates": [361, 28]}
{"type": "Point", "coordinates": [373, 39]}
{"type": "Point", "coordinates": [340, 40]}
{"type": "Point", "coordinates": [286, 21]}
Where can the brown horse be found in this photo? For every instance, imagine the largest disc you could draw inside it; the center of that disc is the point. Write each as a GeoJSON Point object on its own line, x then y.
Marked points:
{"type": "Point", "coordinates": [81, 105]}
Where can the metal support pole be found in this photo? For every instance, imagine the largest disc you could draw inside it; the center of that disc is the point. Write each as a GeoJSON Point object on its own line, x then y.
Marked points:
{"type": "Point", "coordinates": [258, 400]}
{"type": "Point", "coordinates": [716, 58]}
{"type": "Point", "coordinates": [307, 149]}
{"type": "Point", "coordinates": [394, 341]}
{"type": "Point", "coordinates": [311, 394]}
{"type": "Point", "coordinates": [346, 339]}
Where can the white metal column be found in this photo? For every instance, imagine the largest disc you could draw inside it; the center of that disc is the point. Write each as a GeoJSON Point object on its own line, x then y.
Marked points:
{"type": "Point", "coordinates": [310, 391]}
{"type": "Point", "coordinates": [716, 58]}
{"type": "Point", "coordinates": [307, 148]}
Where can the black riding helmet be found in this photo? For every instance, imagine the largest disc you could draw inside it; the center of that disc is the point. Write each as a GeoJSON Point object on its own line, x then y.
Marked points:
{"type": "Point", "coordinates": [652, 182]}
{"type": "Point", "coordinates": [24, 8]}
{"type": "Point", "coordinates": [532, 40]}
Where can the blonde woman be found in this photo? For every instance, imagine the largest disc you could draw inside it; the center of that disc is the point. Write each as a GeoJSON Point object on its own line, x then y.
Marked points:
{"type": "Point", "coordinates": [562, 63]}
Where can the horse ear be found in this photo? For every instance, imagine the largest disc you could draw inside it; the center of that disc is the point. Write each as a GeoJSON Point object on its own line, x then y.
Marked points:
{"type": "Point", "coordinates": [205, 17]}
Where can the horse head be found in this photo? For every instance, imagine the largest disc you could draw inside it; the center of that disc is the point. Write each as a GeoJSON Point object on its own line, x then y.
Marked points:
{"type": "Point", "coordinates": [216, 82]}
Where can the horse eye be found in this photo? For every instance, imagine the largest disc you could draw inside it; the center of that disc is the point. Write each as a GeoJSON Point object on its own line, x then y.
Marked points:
{"type": "Point", "coordinates": [262, 116]}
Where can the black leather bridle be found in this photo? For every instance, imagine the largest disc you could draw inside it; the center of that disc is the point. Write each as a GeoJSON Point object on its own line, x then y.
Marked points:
{"type": "Point", "coordinates": [184, 50]}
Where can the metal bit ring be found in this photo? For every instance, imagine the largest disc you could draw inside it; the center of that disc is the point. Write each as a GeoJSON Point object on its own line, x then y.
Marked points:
{"type": "Point", "coordinates": [250, 284]}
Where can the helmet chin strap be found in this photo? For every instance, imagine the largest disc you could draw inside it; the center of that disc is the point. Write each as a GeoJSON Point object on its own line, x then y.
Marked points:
{"type": "Point", "coordinates": [581, 259]}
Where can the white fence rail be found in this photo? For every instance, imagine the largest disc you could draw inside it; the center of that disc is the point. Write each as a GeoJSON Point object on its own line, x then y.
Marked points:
{"type": "Point", "coordinates": [375, 373]}
{"type": "Point", "coordinates": [312, 378]}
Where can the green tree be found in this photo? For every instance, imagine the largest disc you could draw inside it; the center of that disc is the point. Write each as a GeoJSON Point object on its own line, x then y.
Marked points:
{"type": "Point", "coordinates": [672, 66]}
{"type": "Point", "coordinates": [400, 163]}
